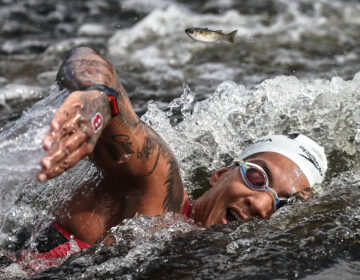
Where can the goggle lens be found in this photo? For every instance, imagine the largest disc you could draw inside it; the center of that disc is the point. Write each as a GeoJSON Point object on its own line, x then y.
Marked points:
{"type": "Point", "coordinates": [256, 178]}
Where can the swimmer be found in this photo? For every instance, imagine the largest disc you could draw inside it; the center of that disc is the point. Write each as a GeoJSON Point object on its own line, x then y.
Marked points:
{"type": "Point", "coordinates": [141, 174]}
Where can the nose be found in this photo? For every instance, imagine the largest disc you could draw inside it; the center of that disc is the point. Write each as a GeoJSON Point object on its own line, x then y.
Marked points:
{"type": "Point", "coordinates": [260, 204]}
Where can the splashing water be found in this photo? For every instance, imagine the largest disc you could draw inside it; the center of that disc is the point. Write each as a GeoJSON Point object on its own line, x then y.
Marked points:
{"type": "Point", "coordinates": [222, 125]}
{"type": "Point", "coordinates": [306, 236]}
{"type": "Point", "coordinates": [243, 94]}
{"type": "Point", "coordinates": [25, 203]}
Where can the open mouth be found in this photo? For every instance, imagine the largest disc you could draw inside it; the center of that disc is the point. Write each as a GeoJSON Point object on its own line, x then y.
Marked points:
{"type": "Point", "coordinates": [231, 215]}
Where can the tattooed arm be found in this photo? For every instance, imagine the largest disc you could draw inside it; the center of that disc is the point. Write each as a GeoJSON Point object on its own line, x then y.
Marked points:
{"type": "Point", "coordinates": [123, 146]}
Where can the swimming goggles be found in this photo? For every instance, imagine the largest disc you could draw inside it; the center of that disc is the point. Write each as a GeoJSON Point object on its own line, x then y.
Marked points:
{"type": "Point", "coordinates": [256, 179]}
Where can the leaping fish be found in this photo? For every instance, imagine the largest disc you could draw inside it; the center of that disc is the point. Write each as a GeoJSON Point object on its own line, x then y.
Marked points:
{"type": "Point", "coordinates": [207, 35]}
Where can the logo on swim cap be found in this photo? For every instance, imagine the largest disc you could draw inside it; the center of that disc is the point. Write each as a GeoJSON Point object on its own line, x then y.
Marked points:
{"type": "Point", "coordinates": [261, 140]}
{"type": "Point", "coordinates": [312, 159]}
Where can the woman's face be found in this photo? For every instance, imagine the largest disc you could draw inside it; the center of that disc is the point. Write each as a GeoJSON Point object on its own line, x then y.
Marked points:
{"type": "Point", "coordinates": [230, 199]}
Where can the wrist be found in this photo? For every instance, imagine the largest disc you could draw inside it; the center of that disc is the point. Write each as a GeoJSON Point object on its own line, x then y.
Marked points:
{"type": "Point", "coordinates": [112, 95]}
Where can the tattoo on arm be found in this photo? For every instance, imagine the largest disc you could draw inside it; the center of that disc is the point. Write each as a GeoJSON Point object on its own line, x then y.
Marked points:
{"type": "Point", "coordinates": [173, 184]}
{"type": "Point", "coordinates": [160, 151]}
{"type": "Point", "coordinates": [149, 146]}
{"type": "Point", "coordinates": [83, 67]}
{"type": "Point", "coordinates": [123, 141]}
{"type": "Point", "coordinates": [143, 129]}
{"type": "Point", "coordinates": [174, 188]}
{"type": "Point", "coordinates": [146, 150]}
{"type": "Point", "coordinates": [117, 147]}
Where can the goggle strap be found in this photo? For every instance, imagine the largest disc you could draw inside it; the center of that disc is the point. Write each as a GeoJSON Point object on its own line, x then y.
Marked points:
{"type": "Point", "coordinates": [276, 201]}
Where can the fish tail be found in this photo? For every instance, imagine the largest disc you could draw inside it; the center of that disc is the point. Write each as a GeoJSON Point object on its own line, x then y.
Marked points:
{"type": "Point", "coordinates": [231, 36]}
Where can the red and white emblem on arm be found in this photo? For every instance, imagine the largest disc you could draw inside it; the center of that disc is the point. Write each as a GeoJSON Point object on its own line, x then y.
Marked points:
{"type": "Point", "coordinates": [97, 122]}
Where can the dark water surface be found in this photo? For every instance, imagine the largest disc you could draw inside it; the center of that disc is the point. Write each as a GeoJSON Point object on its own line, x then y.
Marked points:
{"type": "Point", "coordinates": [293, 68]}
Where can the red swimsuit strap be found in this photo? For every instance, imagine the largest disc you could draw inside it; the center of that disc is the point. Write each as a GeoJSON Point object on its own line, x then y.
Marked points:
{"type": "Point", "coordinates": [54, 257]}
{"type": "Point", "coordinates": [68, 236]}
{"type": "Point", "coordinates": [187, 209]}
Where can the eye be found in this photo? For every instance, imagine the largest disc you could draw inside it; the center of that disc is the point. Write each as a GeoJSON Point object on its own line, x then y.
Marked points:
{"type": "Point", "coordinates": [256, 178]}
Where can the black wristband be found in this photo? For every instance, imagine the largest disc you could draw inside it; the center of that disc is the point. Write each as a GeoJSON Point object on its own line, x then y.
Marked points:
{"type": "Point", "coordinates": [111, 93]}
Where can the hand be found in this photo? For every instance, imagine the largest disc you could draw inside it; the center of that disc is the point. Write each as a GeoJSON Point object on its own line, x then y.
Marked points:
{"type": "Point", "coordinates": [75, 129]}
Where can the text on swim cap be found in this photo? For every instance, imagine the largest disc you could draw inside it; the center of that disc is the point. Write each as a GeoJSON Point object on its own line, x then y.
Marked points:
{"type": "Point", "coordinates": [262, 140]}
{"type": "Point", "coordinates": [312, 159]}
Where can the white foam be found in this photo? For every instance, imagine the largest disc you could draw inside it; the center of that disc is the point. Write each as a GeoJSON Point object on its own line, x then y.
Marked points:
{"type": "Point", "coordinates": [12, 92]}
{"type": "Point", "coordinates": [13, 271]}
{"type": "Point", "coordinates": [233, 116]}
{"type": "Point", "coordinates": [93, 30]}
{"type": "Point", "coordinates": [68, 44]}
{"type": "Point", "coordinates": [144, 6]}
{"type": "Point", "coordinates": [216, 71]}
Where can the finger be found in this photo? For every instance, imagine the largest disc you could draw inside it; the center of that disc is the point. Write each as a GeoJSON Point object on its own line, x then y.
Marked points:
{"type": "Point", "coordinates": [66, 163]}
{"type": "Point", "coordinates": [64, 149]}
{"type": "Point", "coordinates": [48, 140]}
{"type": "Point", "coordinates": [70, 107]}
{"type": "Point", "coordinates": [67, 129]}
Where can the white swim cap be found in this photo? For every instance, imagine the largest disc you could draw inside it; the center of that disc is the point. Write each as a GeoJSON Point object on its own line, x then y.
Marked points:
{"type": "Point", "coordinates": [306, 153]}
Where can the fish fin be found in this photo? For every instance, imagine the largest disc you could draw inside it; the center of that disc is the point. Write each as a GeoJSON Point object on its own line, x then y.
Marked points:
{"type": "Point", "coordinates": [231, 36]}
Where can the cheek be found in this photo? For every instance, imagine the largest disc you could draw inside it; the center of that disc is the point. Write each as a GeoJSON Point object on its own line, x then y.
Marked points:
{"type": "Point", "coordinates": [227, 189]}
{"type": "Point", "coordinates": [235, 189]}
{"type": "Point", "coordinates": [211, 204]}
{"type": "Point", "coordinates": [203, 208]}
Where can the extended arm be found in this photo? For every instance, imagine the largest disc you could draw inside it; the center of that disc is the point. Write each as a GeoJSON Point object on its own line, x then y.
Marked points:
{"type": "Point", "coordinates": [123, 146]}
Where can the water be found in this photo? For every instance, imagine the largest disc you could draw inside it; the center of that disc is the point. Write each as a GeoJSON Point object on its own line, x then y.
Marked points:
{"type": "Point", "coordinates": [293, 68]}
